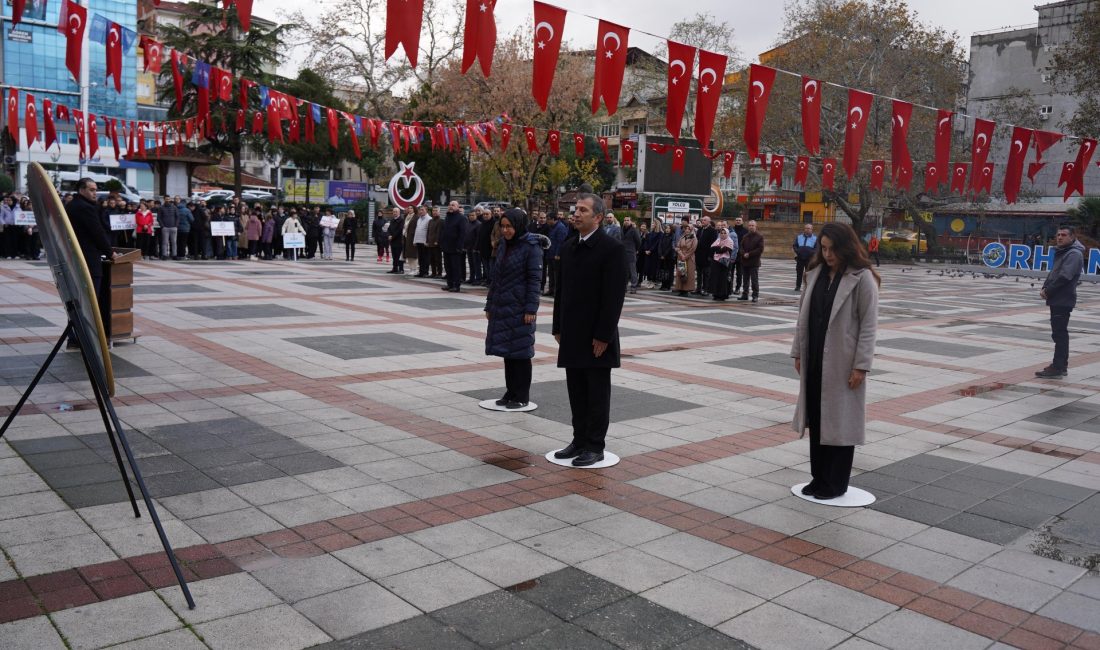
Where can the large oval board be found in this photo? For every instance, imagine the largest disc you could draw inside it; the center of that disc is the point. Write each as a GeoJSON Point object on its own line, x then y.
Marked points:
{"type": "Point", "coordinates": [70, 273]}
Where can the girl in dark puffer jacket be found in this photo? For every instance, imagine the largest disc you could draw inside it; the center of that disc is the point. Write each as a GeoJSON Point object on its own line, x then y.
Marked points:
{"type": "Point", "coordinates": [513, 304]}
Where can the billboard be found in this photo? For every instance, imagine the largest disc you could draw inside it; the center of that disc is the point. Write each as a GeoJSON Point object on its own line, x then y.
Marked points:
{"type": "Point", "coordinates": [655, 169]}
{"type": "Point", "coordinates": [295, 190]}
{"type": "Point", "coordinates": [346, 192]}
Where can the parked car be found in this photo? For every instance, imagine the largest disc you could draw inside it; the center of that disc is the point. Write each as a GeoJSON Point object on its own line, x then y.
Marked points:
{"type": "Point", "coordinates": [489, 205]}
{"type": "Point", "coordinates": [224, 195]}
{"type": "Point", "coordinates": [66, 182]}
{"type": "Point", "coordinates": [257, 195]}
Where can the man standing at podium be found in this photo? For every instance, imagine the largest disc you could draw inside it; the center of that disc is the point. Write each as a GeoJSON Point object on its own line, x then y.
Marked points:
{"type": "Point", "coordinates": [84, 216]}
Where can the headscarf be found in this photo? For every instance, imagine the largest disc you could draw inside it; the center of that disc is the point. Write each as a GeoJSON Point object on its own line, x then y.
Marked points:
{"type": "Point", "coordinates": [518, 219]}
{"type": "Point", "coordinates": [723, 240]}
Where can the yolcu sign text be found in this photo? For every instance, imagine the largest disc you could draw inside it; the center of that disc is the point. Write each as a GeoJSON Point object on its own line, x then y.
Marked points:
{"type": "Point", "coordinates": [996, 255]}
{"type": "Point", "coordinates": [406, 177]}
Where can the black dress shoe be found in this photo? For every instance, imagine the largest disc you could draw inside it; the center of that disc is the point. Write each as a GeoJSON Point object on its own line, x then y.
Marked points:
{"type": "Point", "coordinates": [826, 496]}
{"type": "Point", "coordinates": [587, 458]}
{"type": "Point", "coordinates": [1050, 372]}
{"type": "Point", "coordinates": [809, 488]}
{"type": "Point", "coordinates": [502, 401]}
{"type": "Point", "coordinates": [743, 298]}
{"type": "Point", "coordinates": [513, 404]}
{"type": "Point", "coordinates": [571, 451]}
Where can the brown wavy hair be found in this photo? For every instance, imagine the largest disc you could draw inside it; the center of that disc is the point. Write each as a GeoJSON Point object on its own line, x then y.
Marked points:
{"type": "Point", "coordinates": [846, 246]}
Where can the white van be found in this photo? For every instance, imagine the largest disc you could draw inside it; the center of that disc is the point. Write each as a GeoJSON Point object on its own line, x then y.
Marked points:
{"type": "Point", "coordinates": [67, 183]}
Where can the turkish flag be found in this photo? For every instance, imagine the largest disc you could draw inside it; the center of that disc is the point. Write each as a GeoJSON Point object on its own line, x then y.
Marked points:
{"type": "Point", "coordinates": [611, 43]}
{"type": "Point", "coordinates": [578, 145]}
{"type": "Point", "coordinates": [480, 36]}
{"type": "Point", "coordinates": [75, 20]}
{"type": "Point", "coordinates": [811, 114]}
{"type": "Point", "coordinates": [354, 136]}
{"type": "Point", "coordinates": [310, 136]}
{"type": "Point", "coordinates": [47, 115]}
{"type": "Point", "coordinates": [333, 126]}
{"type": "Point", "coordinates": [931, 176]}
{"type": "Point", "coordinates": [93, 135]}
{"type": "Point", "coordinates": [112, 127]}
{"type": "Point", "coordinates": [958, 177]}
{"type": "Point", "coordinates": [603, 146]}
{"type": "Point", "coordinates": [141, 139]}
{"type": "Point", "coordinates": [177, 79]}
{"type": "Point", "coordinates": [859, 109]}
{"type": "Point", "coordinates": [802, 171]}
{"type": "Point", "coordinates": [627, 149]}
{"type": "Point", "coordinates": [728, 158]}
{"type": "Point", "coordinates": [153, 52]}
{"type": "Point", "coordinates": [678, 153]}
{"type": "Point", "coordinates": [505, 135]}
{"type": "Point", "coordinates": [30, 120]}
{"type": "Point", "coordinates": [1043, 141]}
{"type": "Point", "coordinates": [403, 20]}
{"type": "Point", "coordinates": [708, 90]}
{"type": "Point", "coordinates": [244, 12]}
{"type": "Point", "coordinates": [878, 173]}
{"type": "Point", "coordinates": [775, 170]}
{"type": "Point", "coordinates": [985, 179]}
{"type": "Point", "coordinates": [900, 159]}
{"type": "Point", "coordinates": [555, 142]}
{"type": "Point", "coordinates": [681, 63]}
{"type": "Point", "coordinates": [395, 135]}
{"type": "Point", "coordinates": [761, 79]}
{"type": "Point", "coordinates": [241, 121]}
{"type": "Point", "coordinates": [828, 173]}
{"type": "Point", "coordinates": [274, 123]}
{"type": "Point", "coordinates": [114, 54]}
{"type": "Point", "coordinates": [944, 121]}
{"type": "Point", "coordinates": [223, 83]}
{"type": "Point", "coordinates": [17, 7]}
{"type": "Point", "coordinates": [13, 114]}
{"type": "Point", "coordinates": [246, 84]}
{"type": "Point", "coordinates": [189, 128]}
{"type": "Point", "coordinates": [1014, 171]}
{"type": "Point", "coordinates": [202, 98]}
{"type": "Point", "coordinates": [549, 25]}
{"type": "Point", "coordinates": [80, 139]}
{"type": "Point", "coordinates": [1074, 178]}
{"type": "Point", "coordinates": [979, 150]}
{"type": "Point", "coordinates": [294, 132]}
{"type": "Point", "coordinates": [532, 143]}
{"type": "Point", "coordinates": [257, 123]}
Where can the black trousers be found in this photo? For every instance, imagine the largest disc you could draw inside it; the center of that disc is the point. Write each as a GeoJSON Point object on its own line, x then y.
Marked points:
{"type": "Point", "coordinates": [383, 250]}
{"type": "Point", "coordinates": [422, 261]}
{"type": "Point", "coordinates": [1059, 333]}
{"type": "Point", "coordinates": [517, 380]}
{"type": "Point", "coordinates": [830, 466]}
{"type": "Point", "coordinates": [456, 269]}
{"type": "Point", "coordinates": [396, 249]}
{"type": "Point", "coordinates": [738, 272]}
{"type": "Point", "coordinates": [751, 276]}
{"type": "Point", "coordinates": [311, 245]}
{"type": "Point", "coordinates": [473, 260]}
{"type": "Point", "coordinates": [349, 250]}
{"type": "Point", "coordinates": [590, 403]}
{"type": "Point", "coordinates": [702, 274]}
{"type": "Point", "coordinates": [799, 271]}
{"type": "Point", "coordinates": [435, 255]}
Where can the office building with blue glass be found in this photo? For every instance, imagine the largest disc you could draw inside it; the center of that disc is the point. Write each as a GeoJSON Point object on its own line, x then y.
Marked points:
{"type": "Point", "coordinates": [32, 60]}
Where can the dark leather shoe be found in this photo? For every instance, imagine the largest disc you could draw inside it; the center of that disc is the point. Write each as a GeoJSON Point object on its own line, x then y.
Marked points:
{"type": "Point", "coordinates": [809, 488]}
{"type": "Point", "coordinates": [826, 496]}
{"type": "Point", "coordinates": [514, 405]}
{"type": "Point", "coordinates": [587, 458]}
{"type": "Point", "coordinates": [572, 451]}
{"type": "Point", "coordinates": [1050, 372]}
{"type": "Point", "coordinates": [743, 298]}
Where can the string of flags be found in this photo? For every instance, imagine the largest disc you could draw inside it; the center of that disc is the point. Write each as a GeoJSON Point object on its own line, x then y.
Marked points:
{"type": "Point", "coordinates": [686, 63]}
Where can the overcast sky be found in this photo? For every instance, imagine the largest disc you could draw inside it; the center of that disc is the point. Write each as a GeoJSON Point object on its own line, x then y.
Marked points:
{"type": "Point", "coordinates": [756, 24]}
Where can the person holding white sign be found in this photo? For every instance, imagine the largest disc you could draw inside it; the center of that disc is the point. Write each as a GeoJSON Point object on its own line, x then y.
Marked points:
{"type": "Point", "coordinates": [328, 233]}
{"type": "Point", "coordinates": [8, 234]}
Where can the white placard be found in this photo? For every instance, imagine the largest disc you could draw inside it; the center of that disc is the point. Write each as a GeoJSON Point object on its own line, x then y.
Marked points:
{"type": "Point", "coordinates": [294, 240]}
{"type": "Point", "coordinates": [122, 222]}
{"type": "Point", "coordinates": [329, 222]}
{"type": "Point", "coordinates": [223, 229]}
{"type": "Point", "coordinates": [679, 206]}
{"type": "Point", "coordinates": [24, 218]}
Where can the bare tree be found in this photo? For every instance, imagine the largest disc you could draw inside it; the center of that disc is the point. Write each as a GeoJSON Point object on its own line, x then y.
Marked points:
{"type": "Point", "coordinates": [346, 45]}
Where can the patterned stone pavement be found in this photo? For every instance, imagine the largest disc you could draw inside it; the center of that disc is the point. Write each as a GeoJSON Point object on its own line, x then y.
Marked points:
{"type": "Point", "coordinates": [311, 435]}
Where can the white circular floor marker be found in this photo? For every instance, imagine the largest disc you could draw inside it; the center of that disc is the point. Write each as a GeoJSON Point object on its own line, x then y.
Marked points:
{"type": "Point", "coordinates": [491, 404]}
{"type": "Point", "coordinates": [853, 498]}
{"type": "Point", "coordinates": [609, 459]}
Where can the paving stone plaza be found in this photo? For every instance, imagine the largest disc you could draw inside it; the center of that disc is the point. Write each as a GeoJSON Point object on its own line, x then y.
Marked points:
{"type": "Point", "coordinates": [312, 437]}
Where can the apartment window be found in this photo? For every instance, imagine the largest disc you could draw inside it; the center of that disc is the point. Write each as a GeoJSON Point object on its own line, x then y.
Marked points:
{"type": "Point", "coordinates": [640, 128]}
{"type": "Point", "coordinates": [1045, 112]}
{"type": "Point", "coordinates": [610, 130]}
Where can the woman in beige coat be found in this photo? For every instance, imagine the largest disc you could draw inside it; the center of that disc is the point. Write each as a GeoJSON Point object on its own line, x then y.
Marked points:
{"type": "Point", "coordinates": [833, 346]}
{"type": "Point", "coordinates": [684, 271]}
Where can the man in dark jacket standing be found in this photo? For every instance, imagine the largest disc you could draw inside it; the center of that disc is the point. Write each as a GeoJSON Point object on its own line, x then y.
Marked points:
{"type": "Point", "coordinates": [558, 232]}
{"type": "Point", "coordinates": [169, 218]}
{"type": "Point", "coordinates": [804, 245]}
{"type": "Point", "coordinates": [738, 232]}
{"type": "Point", "coordinates": [452, 237]}
{"type": "Point", "coordinates": [632, 241]}
{"type": "Point", "coordinates": [752, 247]}
{"type": "Point", "coordinates": [1060, 292]}
{"type": "Point", "coordinates": [397, 241]}
{"type": "Point", "coordinates": [485, 245]}
{"type": "Point", "coordinates": [587, 304]}
{"type": "Point", "coordinates": [83, 212]}
{"type": "Point", "coordinates": [707, 235]}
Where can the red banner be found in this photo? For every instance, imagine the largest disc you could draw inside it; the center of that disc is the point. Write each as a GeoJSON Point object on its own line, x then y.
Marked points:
{"type": "Point", "coordinates": [549, 26]}
{"type": "Point", "coordinates": [1017, 153]}
{"type": "Point", "coordinates": [761, 79]}
{"type": "Point", "coordinates": [811, 115]}
{"type": "Point", "coordinates": [859, 107]}
{"type": "Point", "coordinates": [480, 35]}
{"type": "Point", "coordinates": [802, 171]}
{"type": "Point", "coordinates": [681, 61]}
{"type": "Point", "coordinates": [708, 90]}
{"type": "Point", "coordinates": [607, 84]}
{"type": "Point", "coordinates": [403, 21]}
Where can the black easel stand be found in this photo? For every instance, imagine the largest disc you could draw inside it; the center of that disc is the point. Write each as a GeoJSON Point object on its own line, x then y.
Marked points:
{"type": "Point", "coordinates": [107, 411]}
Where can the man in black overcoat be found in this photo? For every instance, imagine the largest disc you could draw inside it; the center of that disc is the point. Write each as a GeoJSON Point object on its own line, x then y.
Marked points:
{"type": "Point", "coordinates": [83, 213]}
{"type": "Point", "coordinates": [588, 300]}
{"type": "Point", "coordinates": [451, 240]}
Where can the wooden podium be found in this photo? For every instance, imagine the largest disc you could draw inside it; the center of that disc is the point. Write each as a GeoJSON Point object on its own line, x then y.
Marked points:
{"type": "Point", "coordinates": [118, 295]}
